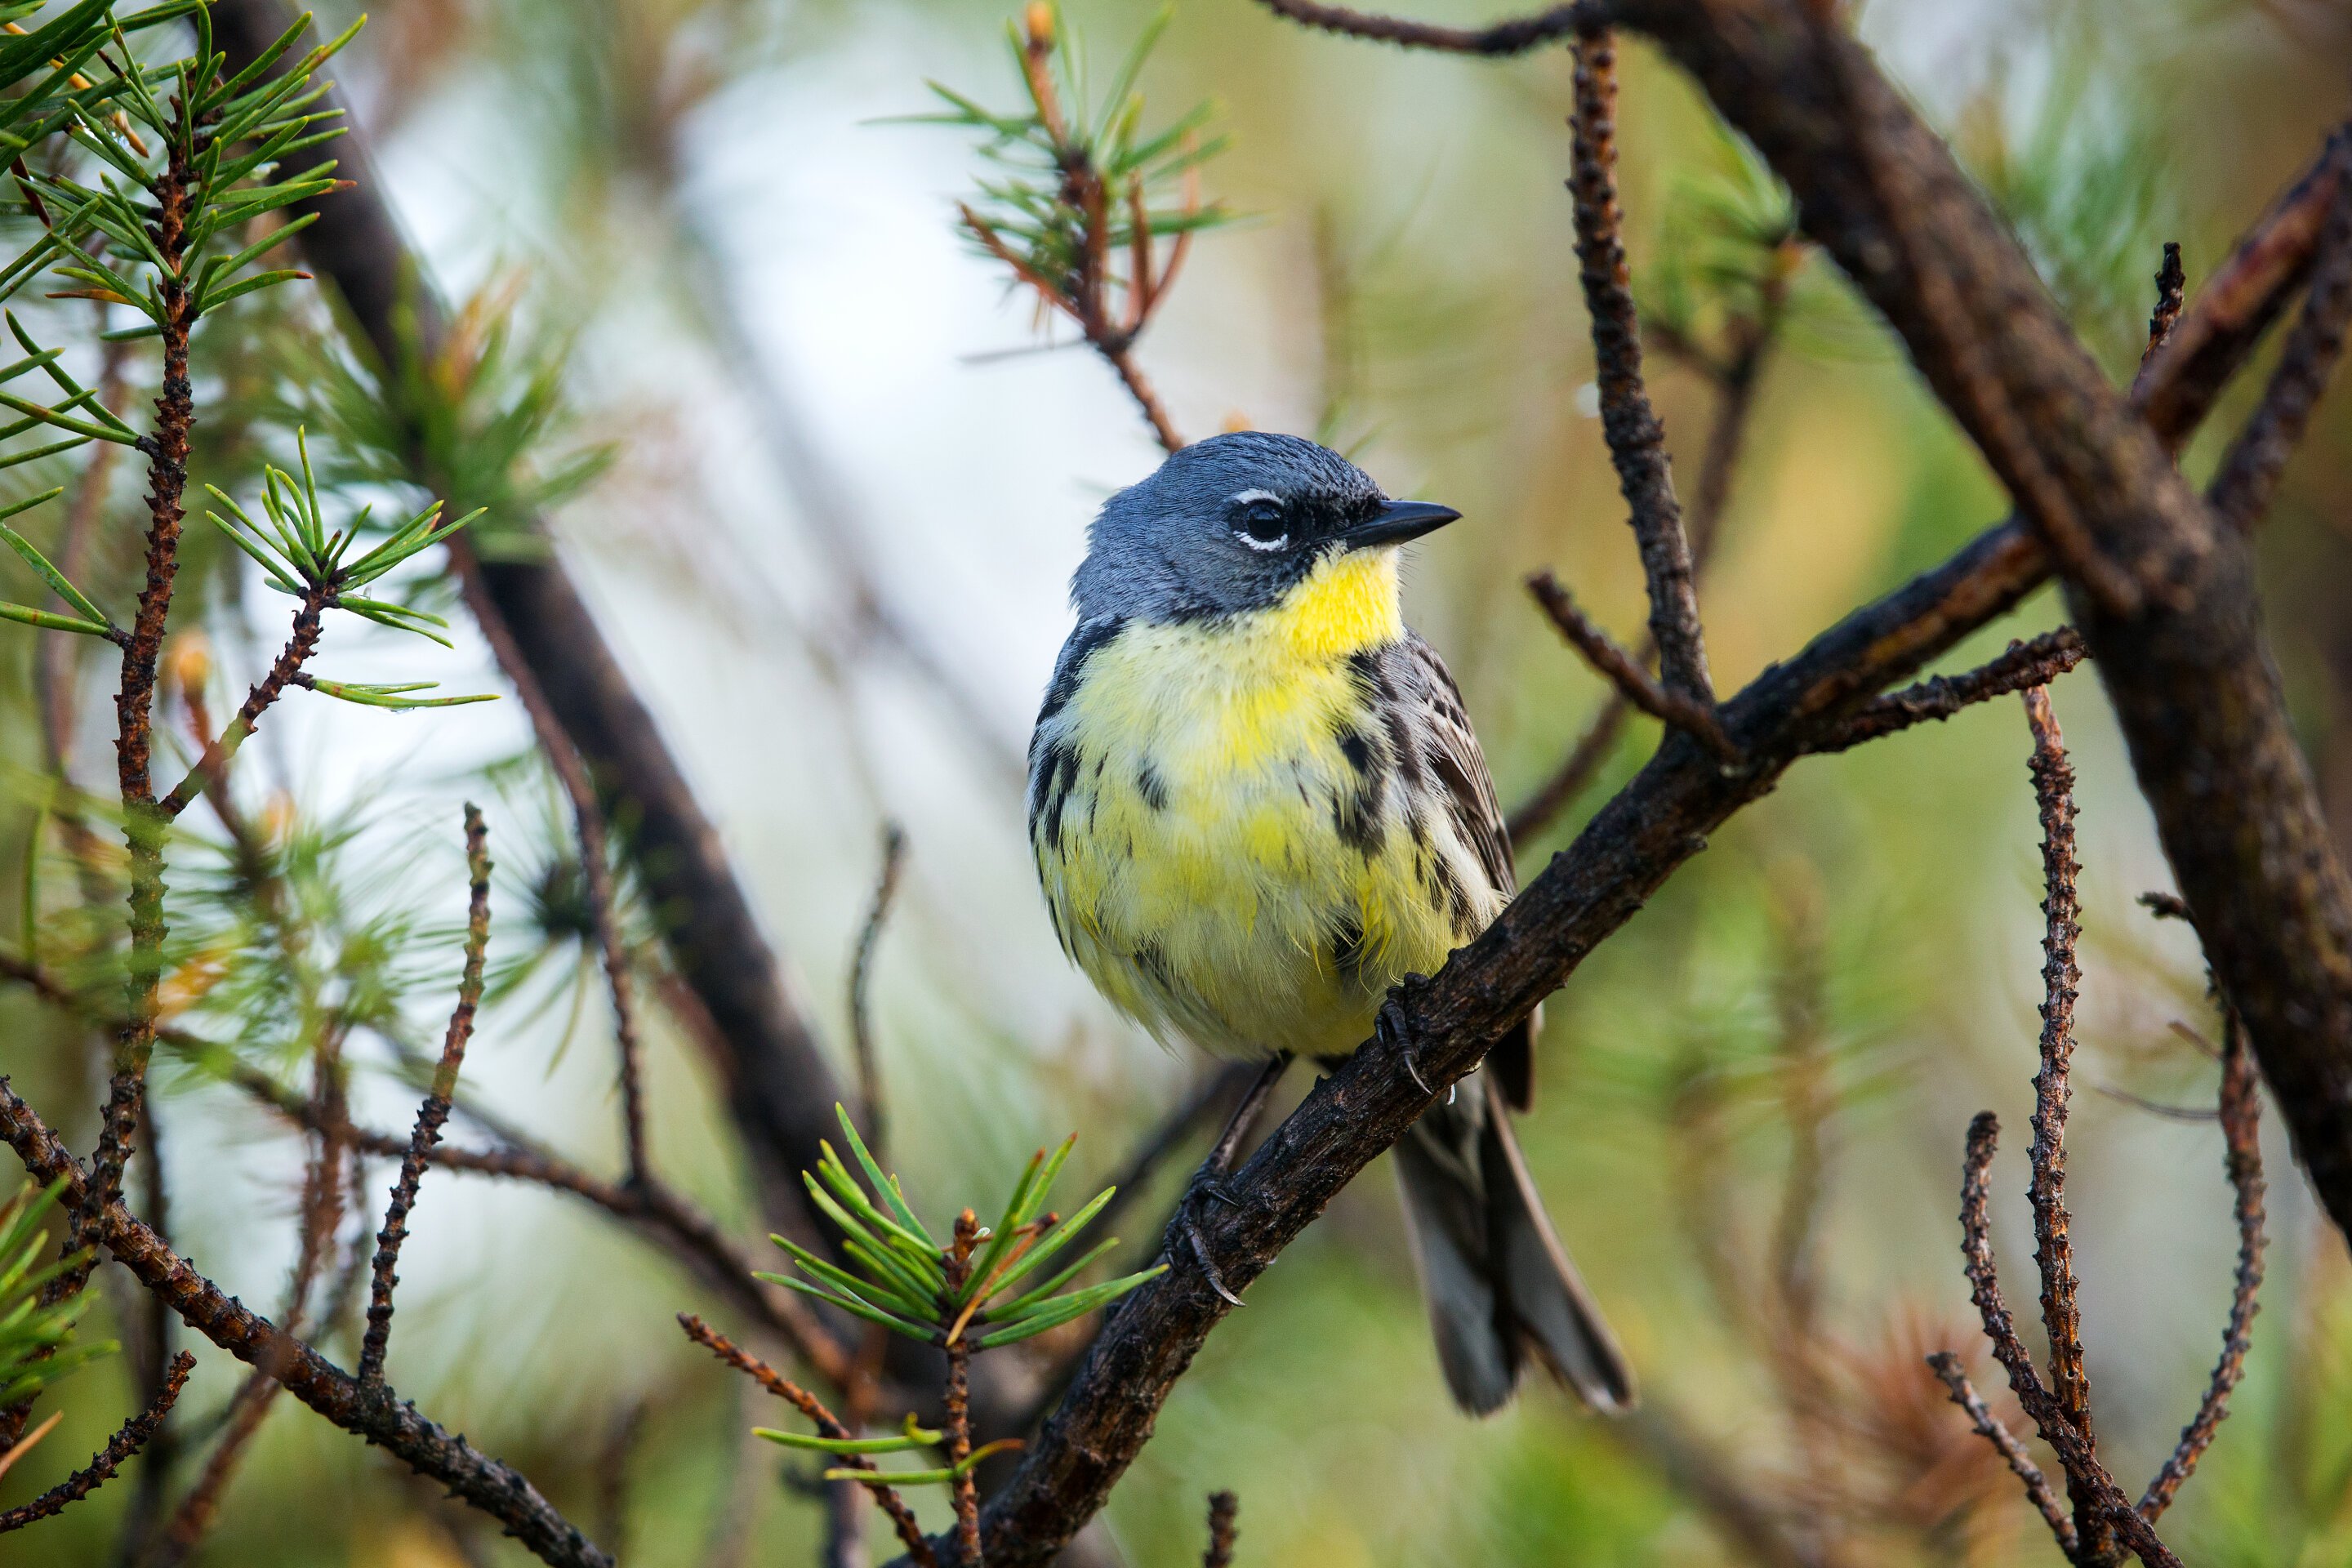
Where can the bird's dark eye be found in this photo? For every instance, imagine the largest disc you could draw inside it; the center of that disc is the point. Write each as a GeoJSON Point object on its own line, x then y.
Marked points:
{"type": "Point", "coordinates": [1259, 523]}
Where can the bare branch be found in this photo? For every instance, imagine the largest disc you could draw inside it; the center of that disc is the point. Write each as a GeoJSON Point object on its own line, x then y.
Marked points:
{"type": "Point", "coordinates": [1511, 38]}
{"type": "Point", "coordinates": [1735, 383]}
{"type": "Point", "coordinates": [435, 1109]}
{"type": "Point", "coordinates": [918, 1546]}
{"type": "Point", "coordinates": [1224, 1514]}
{"type": "Point", "coordinates": [1636, 439]}
{"type": "Point", "coordinates": [2249, 475]}
{"type": "Point", "coordinates": [2240, 1116]}
{"type": "Point", "coordinates": [127, 1440]}
{"type": "Point", "coordinates": [2024, 664]}
{"type": "Point", "coordinates": [861, 980]}
{"type": "Point", "coordinates": [2053, 1252]}
{"type": "Point", "coordinates": [2006, 1443]}
{"type": "Point", "coordinates": [374, 1413]}
{"type": "Point", "coordinates": [2171, 283]}
{"type": "Point", "coordinates": [1666, 704]}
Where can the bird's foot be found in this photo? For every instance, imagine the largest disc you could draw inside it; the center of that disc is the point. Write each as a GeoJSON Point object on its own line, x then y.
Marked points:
{"type": "Point", "coordinates": [1208, 1267]}
{"type": "Point", "coordinates": [1388, 1026]}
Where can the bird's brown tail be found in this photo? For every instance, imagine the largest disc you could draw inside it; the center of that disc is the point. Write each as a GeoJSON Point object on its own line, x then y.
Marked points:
{"type": "Point", "coordinates": [1499, 1285]}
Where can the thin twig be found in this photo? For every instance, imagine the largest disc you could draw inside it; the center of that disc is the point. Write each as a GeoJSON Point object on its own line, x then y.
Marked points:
{"type": "Point", "coordinates": [1227, 1084]}
{"type": "Point", "coordinates": [321, 1211]}
{"type": "Point", "coordinates": [902, 1518]}
{"type": "Point", "coordinates": [2021, 1463]}
{"type": "Point", "coordinates": [1224, 1514]}
{"type": "Point", "coordinates": [396, 1426]}
{"type": "Point", "coordinates": [594, 841]}
{"type": "Point", "coordinates": [300, 644]}
{"type": "Point", "coordinates": [166, 449]}
{"type": "Point", "coordinates": [956, 1403]}
{"type": "Point", "coordinates": [1512, 37]}
{"type": "Point", "coordinates": [1669, 706]}
{"type": "Point", "coordinates": [1736, 385]}
{"type": "Point", "coordinates": [2240, 1115]}
{"type": "Point", "coordinates": [861, 979]}
{"type": "Point", "coordinates": [2249, 475]}
{"type": "Point", "coordinates": [435, 1109]}
{"type": "Point", "coordinates": [2054, 1251]}
{"type": "Point", "coordinates": [2024, 666]}
{"type": "Point", "coordinates": [128, 1439]}
{"type": "Point", "coordinates": [2171, 286]}
{"type": "Point", "coordinates": [1636, 439]}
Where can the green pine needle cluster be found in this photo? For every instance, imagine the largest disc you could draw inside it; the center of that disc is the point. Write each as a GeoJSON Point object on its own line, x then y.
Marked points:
{"type": "Point", "coordinates": [37, 1343]}
{"type": "Point", "coordinates": [906, 1281]}
{"type": "Point", "coordinates": [299, 557]}
{"type": "Point", "coordinates": [1085, 194]}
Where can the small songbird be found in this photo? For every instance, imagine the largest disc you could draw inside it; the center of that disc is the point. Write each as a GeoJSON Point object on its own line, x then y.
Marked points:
{"type": "Point", "coordinates": [1257, 804]}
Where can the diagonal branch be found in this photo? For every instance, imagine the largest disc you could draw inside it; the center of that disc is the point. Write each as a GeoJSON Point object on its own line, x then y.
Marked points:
{"type": "Point", "coordinates": [1625, 853]}
{"type": "Point", "coordinates": [780, 1089]}
{"type": "Point", "coordinates": [2024, 664]}
{"type": "Point", "coordinates": [902, 1518]}
{"type": "Point", "coordinates": [1512, 37]}
{"type": "Point", "coordinates": [1669, 705]}
{"type": "Point", "coordinates": [2249, 475]}
{"type": "Point", "coordinates": [131, 1436]}
{"type": "Point", "coordinates": [2005, 1443]}
{"type": "Point", "coordinates": [1636, 439]}
{"type": "Point", "coordinates": [389, 1422]}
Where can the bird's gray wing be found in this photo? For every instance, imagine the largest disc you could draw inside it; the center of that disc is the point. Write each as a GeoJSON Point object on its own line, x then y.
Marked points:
{"type": "Point", "coordinates": [1453, 758]}
{"type": "Point", "coordinates": [1453, 755]}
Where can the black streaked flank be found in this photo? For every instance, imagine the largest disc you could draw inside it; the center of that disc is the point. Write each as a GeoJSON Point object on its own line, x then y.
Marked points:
{"type": "Point", "coordinates": [1071, 666]}
{"type": "Point", "coordinates": [1149, 784]}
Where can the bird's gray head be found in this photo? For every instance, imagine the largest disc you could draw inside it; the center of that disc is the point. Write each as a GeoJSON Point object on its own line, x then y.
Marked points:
{"type": "Point", "coordinates": [1232, 523]}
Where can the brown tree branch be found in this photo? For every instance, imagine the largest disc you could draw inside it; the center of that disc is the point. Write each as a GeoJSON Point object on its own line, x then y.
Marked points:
{"type": "Point", "coordinates": [1636, 439]}
{"type": "Point", "coordinates": [2249, 475]}
{"type": "Point", "coordinates": [375, 1414]}
{"type": "Point", "coordinates": [2241, 1117]}
{"type": "Point", "coordinates": [127, 1440]}
{"type": "Point", "coordinates": [1511, 38]}
{"type": "Point", "coordinates": [2171, 291]}
{"type": "Point", "coordinates": [2024, 666]}
{"type": "Point", "coordinates": [1735, 381]}
{"type": "Point", "coordinates": [433, 1111]}
{"type": "Point", "coordinates": [594, 841]}
{"type": "Point", "coordinates": [2054, 1250]}
{"type": "Point", "coordinates": [1669, 705]}
{"type": "Point", "coordinates": [861, 980]}
{"type": "Point", "coordinates": [2191, 681]}
{"type": "Point", "coordinates": [2012, 1451]}
{"type": "Point", "coordinates": [300, 644]}
{"type": "Point", "coordinates": [1224, 1517]}
{"type": "Point", "coordinates": [827, 1424]}
{"type": "Point", "coordinates": [780, 1089]}
{"type": "Point", "coordinates": [1659, 820]}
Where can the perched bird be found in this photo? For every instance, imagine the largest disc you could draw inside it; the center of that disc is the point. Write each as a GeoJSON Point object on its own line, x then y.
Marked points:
{"type": "Point", "coordinates": [1256, 804]}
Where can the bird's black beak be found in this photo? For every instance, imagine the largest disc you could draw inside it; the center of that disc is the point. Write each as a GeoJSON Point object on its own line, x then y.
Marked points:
{"type": "Point", "coordinates": [1397, 521]}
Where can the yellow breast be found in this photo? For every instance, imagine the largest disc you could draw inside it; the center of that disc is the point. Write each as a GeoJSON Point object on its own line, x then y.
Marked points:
{"type": "Point", "coordinates": [1226, 842]}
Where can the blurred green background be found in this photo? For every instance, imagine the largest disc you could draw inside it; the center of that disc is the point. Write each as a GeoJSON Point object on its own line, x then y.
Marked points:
{"type": "Point", "coordinates": [685, 217]}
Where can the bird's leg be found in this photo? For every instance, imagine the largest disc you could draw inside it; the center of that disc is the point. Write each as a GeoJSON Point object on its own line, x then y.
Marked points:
{"type": "Point", "coordinates": [1237, 1128]}
{"type": "Point", "coordinates": [1208, 1181]}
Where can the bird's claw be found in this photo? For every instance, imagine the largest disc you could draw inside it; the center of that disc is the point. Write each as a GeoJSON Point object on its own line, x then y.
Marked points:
{"type": "Point", "coordinates": [1385, 1026]}
{"type": "Point", "coordinates": [1209, 1269]}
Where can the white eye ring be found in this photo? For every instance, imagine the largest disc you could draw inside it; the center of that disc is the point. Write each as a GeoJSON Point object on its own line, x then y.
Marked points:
{"type": "Point", "coordinates": [1248, 497]}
